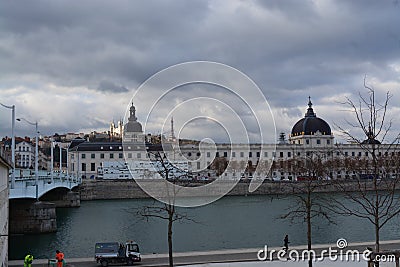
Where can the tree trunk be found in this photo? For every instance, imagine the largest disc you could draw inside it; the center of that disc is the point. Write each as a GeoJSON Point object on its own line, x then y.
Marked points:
{"type": "Point", "coordinates": [170, 256]}
{"type": "Point", "coordinates": [377, 245]}
{"type": "Point", "coordinates": [309, 227]}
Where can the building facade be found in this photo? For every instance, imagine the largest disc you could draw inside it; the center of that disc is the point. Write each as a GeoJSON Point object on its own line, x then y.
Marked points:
{"type": "Point", "coordinates": [4, 204]}
{"type": "Point", "coordinates": [310, 151]}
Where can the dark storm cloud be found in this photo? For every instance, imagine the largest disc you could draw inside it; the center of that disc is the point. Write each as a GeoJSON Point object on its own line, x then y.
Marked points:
{"type": "Point", "coordinates": [76, 44]}
{"type": "Point", "coordinates": [291, 49]}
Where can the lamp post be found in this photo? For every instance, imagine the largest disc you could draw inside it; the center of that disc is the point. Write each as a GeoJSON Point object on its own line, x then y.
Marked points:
{"type": "Point", "coordinates": [12, 143]}
{"type": "Point", "coordinates": [52, 160]}
{"type": "Point", "coordinates": [36, 154]}
{"type": "Point", "coordinates": [60, 160]}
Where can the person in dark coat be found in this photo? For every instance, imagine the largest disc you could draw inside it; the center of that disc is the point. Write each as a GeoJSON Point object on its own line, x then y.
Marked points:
{"type": "Point", "coordinates": [286, 243]}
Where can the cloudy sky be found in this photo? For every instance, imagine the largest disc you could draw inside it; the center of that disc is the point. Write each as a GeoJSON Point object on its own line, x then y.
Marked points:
{"type": "Point", "coordinates": [74, 66]}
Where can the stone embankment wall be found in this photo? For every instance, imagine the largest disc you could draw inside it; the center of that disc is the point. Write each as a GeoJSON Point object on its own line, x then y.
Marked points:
{"type": "Point", "coordinates": [127, 189]}
{"type": "Point", "coordinates": [28, 217]}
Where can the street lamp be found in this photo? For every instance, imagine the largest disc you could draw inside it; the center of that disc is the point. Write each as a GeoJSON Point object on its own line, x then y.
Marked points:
{"type": "Point", "coordinates": [52, 160]}
{"type": "Point", "coordinates": [12, 143]}
{"type": "Point", "coordinates": [36, 154]}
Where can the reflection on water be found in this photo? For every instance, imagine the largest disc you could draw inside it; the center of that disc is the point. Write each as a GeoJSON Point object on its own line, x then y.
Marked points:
{"type": "Point", "coordinates": [232, 222]}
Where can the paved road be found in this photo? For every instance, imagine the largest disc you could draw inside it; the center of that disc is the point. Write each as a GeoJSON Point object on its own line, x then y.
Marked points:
{"type": "Point", "coordinates": [236, 255]}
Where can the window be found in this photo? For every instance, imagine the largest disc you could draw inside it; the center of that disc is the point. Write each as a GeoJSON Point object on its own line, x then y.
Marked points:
{"type": "Point", "coordinates": [359, 154]}
{"type": "Point", "coordinates": [84, 156]}
{"type": "Point", "coordinates": [289, 154]}
{"type": "Point", "coordinates": [217, 154]}
{"type": "Point", "coordinates": [198, 165]}
{"type": "Point", "coordinates": [225, 154]}
{"type": "Point", "coordinates": [328, 142]}
{"type": "Point", "coordinates": [274, 154]}
{"type": "Point", "coordinates": [129, 155]}
{"type": "Point", "coordinates": [307, 141]}
{"type": "Point", "coordinates": [266, 154]}
{"type": "Point", "coordinates": [241, 154]}
{"type": "Point", "coordinates": [366, 153]}
{"type": "Point", "coordinates": [318, 141]}
{"type": "Point", "coordinates": [93, 156]}
{"type": "Point", "coordinates": [208, 154]}
{"type": "Point", "coordinates": [111, 155]}
{"type": "Point", "coordinates": [250, 154]}
{"type": "Point", "coordinates": [92, 166]}
{"type": "Point", "coordinates": [72, 156]}
{"type": "Point", "coordinates": [353, 154]}
{"type": "Point", "coordinates": [281, 154]}
{"type": "Point", "coordinates": [258, 154]}
{"type": "Point", "coordinates": [102, 155]}
{"type": "Point", "coordinates": [189, 154]}
{"type": "Point", "coordinates": [138, 155]}
{"type": "Point", "coordinates": [346, 154]}
{"type": "Point", "coordinates": [233, 154]}
{"type": "Point", "coordinates": [120, 155]}
{"type": "Point", "coordinates": [83, 167]}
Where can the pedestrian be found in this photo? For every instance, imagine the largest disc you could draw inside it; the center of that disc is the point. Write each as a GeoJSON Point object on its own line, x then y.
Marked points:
{"type": "Point", "coordinates": [28, 260]}
{"type": "Point", "coordinates": [59, 258]}
{"type": "Point", "coordinates": [286, 243]}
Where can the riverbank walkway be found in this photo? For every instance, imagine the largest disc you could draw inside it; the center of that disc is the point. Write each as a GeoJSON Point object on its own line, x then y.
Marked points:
{"type": "Point", "coordinates": [235, 257]}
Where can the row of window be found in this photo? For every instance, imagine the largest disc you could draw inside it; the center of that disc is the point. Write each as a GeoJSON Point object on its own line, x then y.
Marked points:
{"type": "Point", "coordinates": [225, 154]}
{"type": "Point", "coordinates": [110, 155]}
{"type": "Point", "coordinates": [27, 148]}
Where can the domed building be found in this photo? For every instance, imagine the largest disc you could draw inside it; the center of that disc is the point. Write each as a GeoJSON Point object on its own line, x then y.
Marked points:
{"type": "Point", "coordinates": [133, 131]}
{"type": "Point", "coordinates": [311, 130]}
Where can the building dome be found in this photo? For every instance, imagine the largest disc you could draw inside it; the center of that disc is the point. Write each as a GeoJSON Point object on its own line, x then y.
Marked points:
{"type": "Point", "coordinates": [311, 124]}
{"type": "Point", "coordinates": [133, 125]}
{"type": "Point", "coordinates": [371, 138]}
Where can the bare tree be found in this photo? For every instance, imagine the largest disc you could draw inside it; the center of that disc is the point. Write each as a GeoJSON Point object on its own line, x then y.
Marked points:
{"type": "Point", "coordinates": [373, 196]}
{"type": "Point", "coordinates": [309, 202]}
{"type": "Point", "coordinates": [219, 164]}
{"type": "Point", "coordinates": [166, 211]}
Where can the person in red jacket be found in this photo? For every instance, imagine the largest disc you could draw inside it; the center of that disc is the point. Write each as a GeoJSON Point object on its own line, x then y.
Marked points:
{"type": "Point", "coordinates": [59, 258]}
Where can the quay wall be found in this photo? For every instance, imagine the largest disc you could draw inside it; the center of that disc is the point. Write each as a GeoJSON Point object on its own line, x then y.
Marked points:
{"type": "Point", "coordinates": [129, 189]}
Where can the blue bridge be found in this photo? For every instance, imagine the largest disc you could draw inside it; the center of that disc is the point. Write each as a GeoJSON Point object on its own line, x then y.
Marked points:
{"type": "Point", "coordinates": [25, 185]}
{"type": "Point", "coordinates": [34, 198]}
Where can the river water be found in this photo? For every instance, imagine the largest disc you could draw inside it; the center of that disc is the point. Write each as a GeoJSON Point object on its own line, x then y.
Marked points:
{"type": "Point", "coordinates": [231, 222]}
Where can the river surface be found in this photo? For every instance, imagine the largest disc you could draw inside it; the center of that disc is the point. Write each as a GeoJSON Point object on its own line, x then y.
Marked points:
{"type": "Point", "coordinates": [231, 222]}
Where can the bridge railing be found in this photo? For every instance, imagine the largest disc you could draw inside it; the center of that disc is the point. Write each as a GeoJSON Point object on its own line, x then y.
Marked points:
{"type": "Point", "coordinates": [25, 183]}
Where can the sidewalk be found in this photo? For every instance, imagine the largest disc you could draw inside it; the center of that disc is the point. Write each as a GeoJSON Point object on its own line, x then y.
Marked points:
{"type": "Point", "coordinates": [229, 257]}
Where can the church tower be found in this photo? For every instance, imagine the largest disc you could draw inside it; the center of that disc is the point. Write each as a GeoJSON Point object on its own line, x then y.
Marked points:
{"type": "Point", "coordinates": [133, 129]}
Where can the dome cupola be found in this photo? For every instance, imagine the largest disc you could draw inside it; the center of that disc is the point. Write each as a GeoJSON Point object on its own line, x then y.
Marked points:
{"type": "Point", "coordinates": [311, 124]}
{"type": "Point", "coordinates": [133, 125]}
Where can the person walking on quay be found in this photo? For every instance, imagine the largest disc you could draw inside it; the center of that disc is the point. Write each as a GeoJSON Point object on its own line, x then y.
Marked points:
{"type": "Point", "coordinates": [59, 258]}
{"type": "Point", "coordinates": [28, 260]}
{"type": "Point", "coordinates": [286, 243]}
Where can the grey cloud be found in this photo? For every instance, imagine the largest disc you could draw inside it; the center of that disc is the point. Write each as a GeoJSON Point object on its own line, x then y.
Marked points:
{"type": "Point", "coordinates": [107, 86]}
{"type": "Point", "coordinates": [291, 49]}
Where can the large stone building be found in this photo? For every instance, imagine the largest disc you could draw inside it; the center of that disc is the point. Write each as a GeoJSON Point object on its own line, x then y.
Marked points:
{"type": "Point", "coordinates": [85, 158]}
{"type": "Point", "coordinates": [309, 151]}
